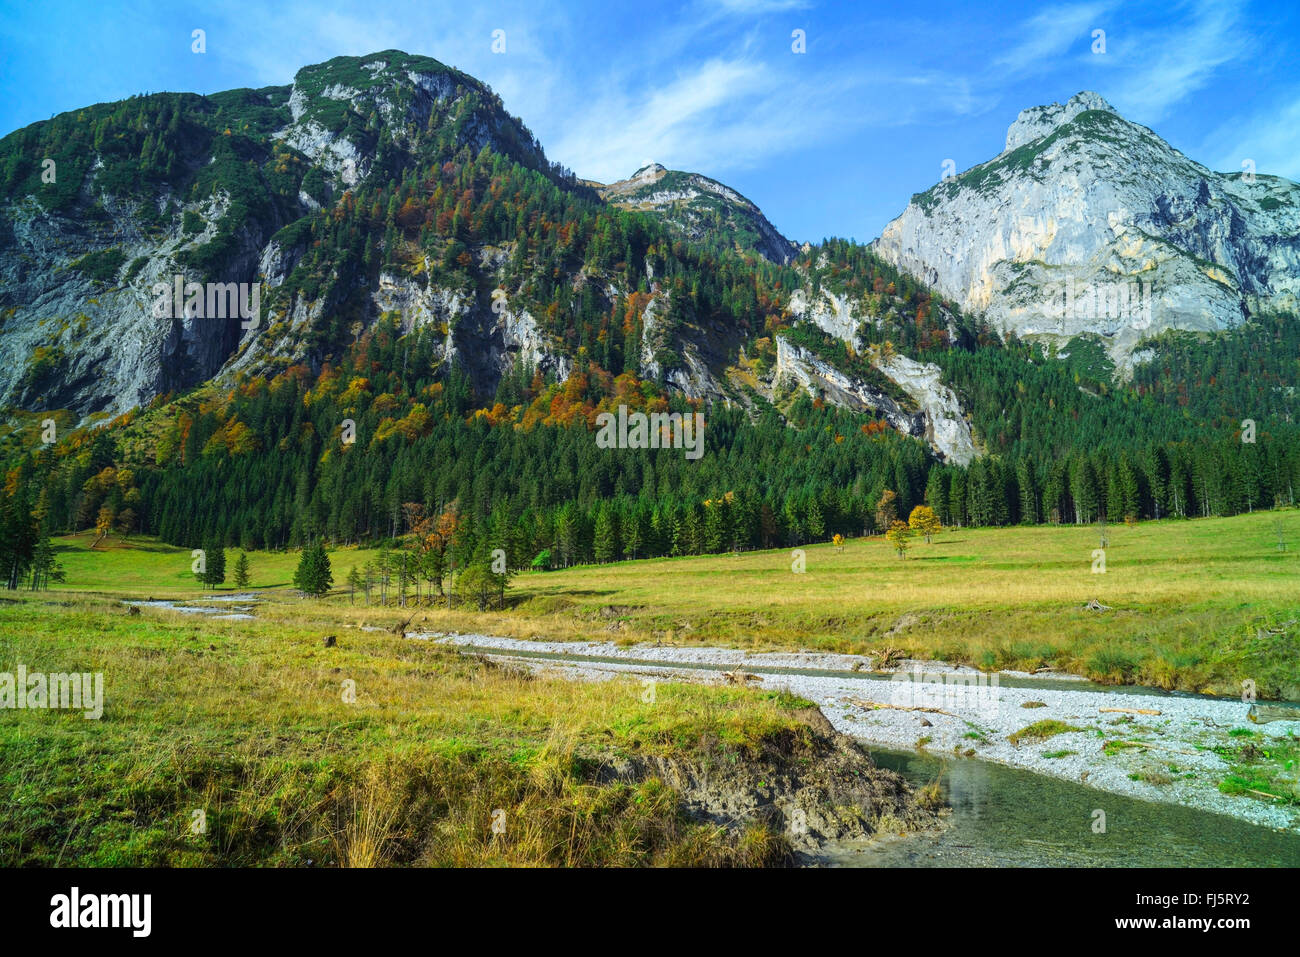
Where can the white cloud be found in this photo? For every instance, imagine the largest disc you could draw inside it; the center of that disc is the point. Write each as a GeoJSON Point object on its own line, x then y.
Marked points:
{"type": "Point", "coordinates": [1047, 37]}
{"type": "Point", "coordinates": [1161, 67]}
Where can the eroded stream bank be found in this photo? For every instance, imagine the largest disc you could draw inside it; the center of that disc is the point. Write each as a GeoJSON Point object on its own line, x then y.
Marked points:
{"type": "Point", "coordinates": [1139, 743]}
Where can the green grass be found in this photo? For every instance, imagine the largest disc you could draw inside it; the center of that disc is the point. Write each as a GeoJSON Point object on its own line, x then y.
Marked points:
{"type": "Point", "coordinates": [1041, 731]}
{"type": "Point", "coordinates": [1265, 769]}
{"type": "Point", "coordinates": [246, 721]}
{"type": "Point", "coordinates": [1197, 605]}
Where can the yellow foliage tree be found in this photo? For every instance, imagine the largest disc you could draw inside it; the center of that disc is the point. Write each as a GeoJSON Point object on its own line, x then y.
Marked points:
{"type": "Point", "coordinates": [923, 521]}
{"type": "Point", "coordinates": [899, 535]}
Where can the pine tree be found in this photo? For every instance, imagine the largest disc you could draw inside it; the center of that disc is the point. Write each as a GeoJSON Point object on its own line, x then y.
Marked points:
{"type": "Point", "coordinates": [313, 576]}
{"type": "Point", "coordinates": [214, 558]}
{"type": "Point", "coordinates": [605, 543]}
{"type": "Point", "coordinates": [242, 577]}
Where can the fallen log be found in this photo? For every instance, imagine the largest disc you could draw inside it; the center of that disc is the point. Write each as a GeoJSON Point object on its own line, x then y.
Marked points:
{"type": "Point", "coordinates": [1158, 747]}
{"type": "Point", "coordinates": [1128, 710]}
{"type": "Point", "coordinates": [739, 677]}
{"type": "Point", "coordinates": [872, 705]}
{"type": "Point", "coordinates": [1264, 713]}
{"type": "Point", "coordinates": [1263, 794]}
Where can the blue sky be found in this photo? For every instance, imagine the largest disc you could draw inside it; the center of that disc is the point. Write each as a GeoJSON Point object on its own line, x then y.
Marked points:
{"type": "Point", "coordinates": [831, 141]}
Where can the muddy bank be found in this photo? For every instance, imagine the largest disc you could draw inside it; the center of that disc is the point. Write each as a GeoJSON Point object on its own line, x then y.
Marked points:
{"type": "Point", "coordinates": [816, 787]}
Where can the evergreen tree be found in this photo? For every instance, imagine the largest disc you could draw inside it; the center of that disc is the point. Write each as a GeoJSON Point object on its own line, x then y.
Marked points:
{"type": "Point", "coordinates": [242, 577]}
{"type": "Point", "coordinates": [313, 576]}
{"type": "Point", "coordinates": [214, 558]}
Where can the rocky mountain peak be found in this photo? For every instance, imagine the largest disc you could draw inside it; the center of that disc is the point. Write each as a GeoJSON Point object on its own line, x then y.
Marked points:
{"type": "Point", "coordinates": [650, 173]}
{"type": "Point", "coordinates": [700, 208]}
{"type": "Point", "coordinates": [1090, 224]}
{"type": "Point", "coordinates": [1038, 121]}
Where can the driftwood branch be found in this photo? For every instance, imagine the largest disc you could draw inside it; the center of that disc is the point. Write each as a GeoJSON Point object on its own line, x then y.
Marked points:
{"type": "Point", "coordinates": [872, 705]}
{"type": "Point", "coordinates": [1159, 747]}
{"type": "Point", "coordinates": [1129, 710]}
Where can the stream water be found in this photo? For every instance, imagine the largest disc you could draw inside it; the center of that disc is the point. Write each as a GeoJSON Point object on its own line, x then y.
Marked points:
{"type": "Point", "coordinates": [1004, 817]}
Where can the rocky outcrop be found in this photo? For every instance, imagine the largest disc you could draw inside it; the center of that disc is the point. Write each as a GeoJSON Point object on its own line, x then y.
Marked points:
{"type": "Point", "coordinates": [819, 378]}
{"type": "Point", "coordinates": [831, 313]}
{"type": "Point", "coordinates": [934, 415]}
{"type": "Point", "coordinates": [946, 428]}
{"type": "Point", "coordinates": [1087, 223]}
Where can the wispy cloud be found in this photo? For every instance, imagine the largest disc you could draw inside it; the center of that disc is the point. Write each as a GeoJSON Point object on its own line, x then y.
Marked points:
{"type": "Point", "coordinates": [722, 113]}
{"type": "Point", "coordinates": [1044, 39]}
{"type": "Point", "coordinates": [1163, 66]}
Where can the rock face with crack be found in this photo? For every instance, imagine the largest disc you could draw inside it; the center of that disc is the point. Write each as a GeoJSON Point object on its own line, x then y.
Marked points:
{"type": "Point", "coordinates": [1088, 223]}
{"type": "Point", "coordinates": [934, 412]}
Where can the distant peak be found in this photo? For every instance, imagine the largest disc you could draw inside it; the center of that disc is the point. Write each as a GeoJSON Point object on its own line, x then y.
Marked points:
{"type": "Point", "coordinates": [1038, 121]}
{"type": "Point", "coordinates": [650, 171]}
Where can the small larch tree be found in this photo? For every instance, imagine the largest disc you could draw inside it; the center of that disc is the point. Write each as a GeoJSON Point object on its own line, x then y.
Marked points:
{"type": "Point", "coordinates": [887, 509]}
{"type": "Point", "coordinates": [899, 535]}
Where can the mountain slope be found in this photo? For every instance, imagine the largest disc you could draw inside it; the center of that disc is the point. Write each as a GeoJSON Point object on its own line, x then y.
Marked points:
{"type": "Point", "coordinates": [1088, 223]}
{"type": "Point", "coordinates": [700, 209]}
{"type": "Point", "coordinates": [225, 188]}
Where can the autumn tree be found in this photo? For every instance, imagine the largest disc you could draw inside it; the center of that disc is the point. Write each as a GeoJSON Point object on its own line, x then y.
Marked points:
{"type": "Point", "coordinates": [899, 535]}
{"type": "Point", "coordinates": [887, 509]}
{"type": "Point", "coordinates": [103, 524]}
{"type": "Point", "coordinates": [924, 522]}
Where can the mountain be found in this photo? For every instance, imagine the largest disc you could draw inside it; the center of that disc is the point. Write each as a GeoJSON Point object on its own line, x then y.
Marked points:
{"type": "Point", "coordinates": [701, 210]}
{"type": "Point", "coordinates": [443, 315]}
{"type": "Point", "coordinates": [1089, 223]}
{"type": "Point", "coordinates": [385, 185]}
{"type": "Point", "coordinates": [230, 188]}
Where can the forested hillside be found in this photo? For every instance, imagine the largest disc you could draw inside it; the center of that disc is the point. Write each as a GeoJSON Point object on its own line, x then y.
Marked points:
{"type": "Point", "coordinates": [447, 312]}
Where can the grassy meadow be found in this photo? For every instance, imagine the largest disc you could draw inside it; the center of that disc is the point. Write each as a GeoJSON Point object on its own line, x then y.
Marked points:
{"type": "Point", "coordinates": [246, 719]}
{"type": "Point", "coordinates": [247, 722]}
{"type": "Point", "coordinates": [1195, 605]}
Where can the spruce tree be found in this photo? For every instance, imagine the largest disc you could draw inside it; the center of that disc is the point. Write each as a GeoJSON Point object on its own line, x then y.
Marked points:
{"type": "Point", "coordinates": [313, 576]}
{"type": "Point", "coordinates": [242, 577]}
{"type": "Point", "coordinates": [215, 564]}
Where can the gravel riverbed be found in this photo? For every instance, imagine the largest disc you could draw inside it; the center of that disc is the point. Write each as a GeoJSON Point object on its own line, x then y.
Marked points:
{"type": "Point", "coordinates": [1166, 756]}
